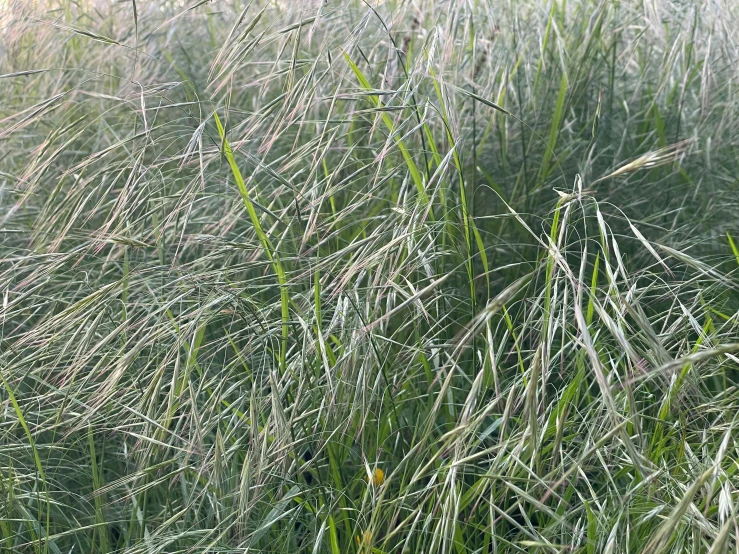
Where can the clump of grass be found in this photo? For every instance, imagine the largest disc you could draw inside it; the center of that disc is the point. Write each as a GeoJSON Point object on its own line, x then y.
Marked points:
{"type": "Point", "coordinates": [368, 277]}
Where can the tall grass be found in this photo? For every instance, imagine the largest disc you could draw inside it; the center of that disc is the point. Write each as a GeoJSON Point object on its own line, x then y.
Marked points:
{"type": "Point", "coordinates": [371, 277]}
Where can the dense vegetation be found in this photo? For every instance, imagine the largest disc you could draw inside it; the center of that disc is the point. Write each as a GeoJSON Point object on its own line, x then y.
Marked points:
{"type": "Point", "coordinates": [374, 277]}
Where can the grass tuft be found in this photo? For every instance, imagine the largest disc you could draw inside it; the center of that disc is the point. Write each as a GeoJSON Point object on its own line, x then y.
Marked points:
{"type": "Point", "coordinates": [368, 277]}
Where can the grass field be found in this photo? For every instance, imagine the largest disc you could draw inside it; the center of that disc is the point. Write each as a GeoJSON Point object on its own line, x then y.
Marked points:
{"type": "Point", "coordinates": [372, 277]}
